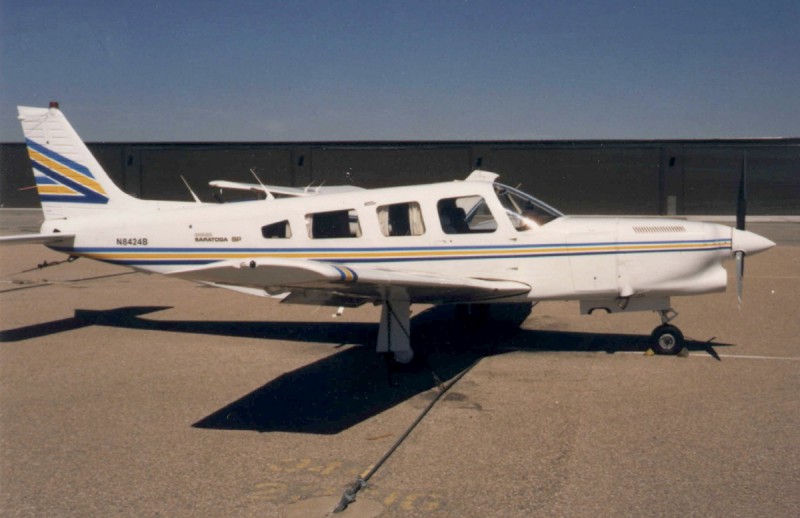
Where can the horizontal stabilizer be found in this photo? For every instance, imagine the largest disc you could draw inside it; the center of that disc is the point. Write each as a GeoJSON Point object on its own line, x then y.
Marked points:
{"type": "Point", "coordinates": [34, 239]}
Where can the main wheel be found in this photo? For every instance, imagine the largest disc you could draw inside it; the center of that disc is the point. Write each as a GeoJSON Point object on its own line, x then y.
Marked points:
{"type": "Point", "coordinates": [666, 339]}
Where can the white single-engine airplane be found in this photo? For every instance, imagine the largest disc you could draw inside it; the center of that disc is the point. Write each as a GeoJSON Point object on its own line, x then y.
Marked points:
{"type": "Point", "coordinates": [465, 242]}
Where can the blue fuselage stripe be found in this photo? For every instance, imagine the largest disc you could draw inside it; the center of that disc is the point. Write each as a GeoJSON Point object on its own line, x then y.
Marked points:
{"type": "Point", "coordinates": [722, 243]}
{"type": "Point", "coordinates": [207, 255]}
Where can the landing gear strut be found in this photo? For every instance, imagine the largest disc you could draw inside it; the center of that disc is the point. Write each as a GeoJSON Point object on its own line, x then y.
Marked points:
{"type": "Point", "coordinates": [666, 338]}
{"type": "Point", "coordinates": [394, 331]}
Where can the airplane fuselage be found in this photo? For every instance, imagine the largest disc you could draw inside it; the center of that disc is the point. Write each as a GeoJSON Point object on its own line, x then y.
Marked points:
{"type": "Point", "coordinates": [567, 258]}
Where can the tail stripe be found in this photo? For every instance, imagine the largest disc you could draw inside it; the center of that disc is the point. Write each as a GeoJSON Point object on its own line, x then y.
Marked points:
{"type": "Point", "coordinates": [44, 180]}
{"type": "Point", "coordinates": [47, 192]}
{"type": "Point", "coordinates": [55, 156]}
{"type": "Point", "coordinates": [63, 180]}
{"type": "Point", "coordinates": [72, 174]}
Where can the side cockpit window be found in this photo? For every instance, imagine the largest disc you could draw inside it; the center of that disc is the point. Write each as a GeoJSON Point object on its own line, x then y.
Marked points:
{"type": "Point", "coordinates": [465, 215]}
{"type": "Point", "coordinates": [279, 230]}
{"type": "Point", "coordinates": [333, 224]}
{"type": "Point", "coordinates": [401, 219]}
{"type": "Point", "coordinates": [524, 211]}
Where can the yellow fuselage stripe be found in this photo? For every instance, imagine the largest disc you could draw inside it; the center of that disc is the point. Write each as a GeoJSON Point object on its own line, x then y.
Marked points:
{"type": "Point", "coordinates": [577, 250]}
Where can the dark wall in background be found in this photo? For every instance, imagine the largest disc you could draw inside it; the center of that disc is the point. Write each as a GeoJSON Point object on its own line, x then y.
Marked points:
{"type": "Point", "coordinates": [578, 177]}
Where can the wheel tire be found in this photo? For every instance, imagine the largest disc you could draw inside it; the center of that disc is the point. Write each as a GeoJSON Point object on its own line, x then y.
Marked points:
{"type": "Point", "coordinates": [666, 339]}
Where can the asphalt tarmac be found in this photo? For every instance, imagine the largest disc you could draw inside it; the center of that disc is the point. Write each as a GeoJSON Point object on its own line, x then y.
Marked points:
{"type": "Point", "coordinates": [123, 394]}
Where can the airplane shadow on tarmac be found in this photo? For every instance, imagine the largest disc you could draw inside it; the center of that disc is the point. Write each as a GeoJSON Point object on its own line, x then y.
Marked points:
{"type": "Point", "coordinates": [350, 386]}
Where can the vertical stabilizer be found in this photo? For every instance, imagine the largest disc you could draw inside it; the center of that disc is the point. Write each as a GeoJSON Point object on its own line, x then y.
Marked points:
{"type": "Point", "coordinates": [68, 178]}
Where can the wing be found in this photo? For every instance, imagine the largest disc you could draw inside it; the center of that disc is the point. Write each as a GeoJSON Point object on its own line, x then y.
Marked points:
{"type": "Point", "coordinates": [302, 281]}
{"type": "Point", "coordinates": [33, 239]}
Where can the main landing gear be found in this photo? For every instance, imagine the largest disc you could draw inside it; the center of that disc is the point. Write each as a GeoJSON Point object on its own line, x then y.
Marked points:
{"type": "Point", "coordinates": [394, 331]}
{"type": "Point", "coordinates": [666, 338]}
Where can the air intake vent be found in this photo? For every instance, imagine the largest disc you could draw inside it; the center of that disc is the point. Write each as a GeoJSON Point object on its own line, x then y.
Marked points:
{"type": "Point", "coordinates": [656, 229]}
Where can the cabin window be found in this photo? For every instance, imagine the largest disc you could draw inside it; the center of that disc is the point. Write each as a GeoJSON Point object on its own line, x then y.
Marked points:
{"type": "Point", "coordinates": [401, 219]}
{"type": "Point", "coordinates": [334, 224]}
{"type": "Point", "coordinates": [279, 230]}
{"type": "Point", "coordinates": [465, 215]}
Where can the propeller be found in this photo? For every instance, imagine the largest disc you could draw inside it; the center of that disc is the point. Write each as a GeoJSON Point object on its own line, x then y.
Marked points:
{"type": "Point", "coordinates": [743, 242]}
{"type": "Point", "coordinates": [739, 275]}
{"type": "Point", "coordinates": [741, 212]}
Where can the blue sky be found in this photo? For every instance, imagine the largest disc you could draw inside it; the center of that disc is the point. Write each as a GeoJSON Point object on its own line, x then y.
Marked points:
{"type": "Point", "coordinates": [427, 70]}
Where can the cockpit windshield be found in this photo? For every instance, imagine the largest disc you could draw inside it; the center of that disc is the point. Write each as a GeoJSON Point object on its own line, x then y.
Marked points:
{"type": "Point", "coordinates": [524, 211]}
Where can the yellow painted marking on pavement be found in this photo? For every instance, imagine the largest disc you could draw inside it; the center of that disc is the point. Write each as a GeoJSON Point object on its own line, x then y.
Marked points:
{"type": "Point", "coordinates": [333, 466]}
{"type": "Point", "coordinates": [433, 503]}
{"type": "Point", "coordinates": [408, 502]}
{"type": "Point", "coordinates": [270, 491]}
{"type": "Point", "coordinates": [389, 500]}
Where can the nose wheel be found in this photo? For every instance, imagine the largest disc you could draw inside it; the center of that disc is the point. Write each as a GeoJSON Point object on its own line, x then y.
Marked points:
{"type": "Point", "coordinates": [666, 338]}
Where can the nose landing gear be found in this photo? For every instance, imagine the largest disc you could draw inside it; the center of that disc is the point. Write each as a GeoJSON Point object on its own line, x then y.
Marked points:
{"type": "Point", "coordinates": [666, 338]}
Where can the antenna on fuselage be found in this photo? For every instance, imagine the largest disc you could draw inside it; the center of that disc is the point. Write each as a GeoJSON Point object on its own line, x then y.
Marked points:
{"type": "Point", "coordinates": [270, 196]}
{"type": "Point", "coordinates": [196, 199]}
